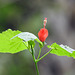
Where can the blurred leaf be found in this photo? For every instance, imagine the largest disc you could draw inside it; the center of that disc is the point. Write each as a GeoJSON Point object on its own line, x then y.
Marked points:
{"type": "Point", "coordinates": [9, 12]}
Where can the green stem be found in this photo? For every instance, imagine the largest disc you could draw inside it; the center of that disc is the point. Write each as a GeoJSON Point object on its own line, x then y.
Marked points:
{"type": "Point", "coordinates": [33, 55]}
{"type": "Point", "coordinates": [34, 60]}
{"type": "Point", "coordinates": [39, 54]}
{"type": "Point", "coordinates": [36, 68]}
{"type": "Point", "coordinates": [43, 56]}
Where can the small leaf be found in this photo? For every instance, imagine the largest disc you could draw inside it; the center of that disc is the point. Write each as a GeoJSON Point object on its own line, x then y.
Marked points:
{"type": "Point", "coordinates": [58, 50]}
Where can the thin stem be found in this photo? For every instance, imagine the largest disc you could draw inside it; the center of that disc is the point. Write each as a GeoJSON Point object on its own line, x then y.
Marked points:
{"type": "Point", "coordinates": [39, 54]}
{"type": "Point", "coordinates": [43, 56]}
{"type": "Point", "coordinates": [36, 68]}
{"type": "Point", "coordinates": [34, 60]}
{"type": "Point", "coordinates": [33, 53]}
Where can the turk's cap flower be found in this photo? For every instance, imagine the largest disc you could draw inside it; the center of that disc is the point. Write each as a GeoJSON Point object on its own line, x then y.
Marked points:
{"type": "Point", "coordinates": [43, 33]}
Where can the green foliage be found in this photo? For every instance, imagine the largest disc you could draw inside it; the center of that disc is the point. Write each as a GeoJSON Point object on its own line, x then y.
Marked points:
{"type": "Point", "coordinates": [16, 41]}
{"type": "Point", "coordinates": [59, 50]}
{"type": "Point", "coordinates": [11, 46]}
{"type": "Point", "coordinates": [62, 50]}
{"type": "Point", "coordinates": [28, 37]}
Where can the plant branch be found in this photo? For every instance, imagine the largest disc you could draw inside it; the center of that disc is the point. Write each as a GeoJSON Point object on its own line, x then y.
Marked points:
{"type": "Point", "coordinates": [43, 56]}
{"type": "Point", "coordinates": [39, 54]}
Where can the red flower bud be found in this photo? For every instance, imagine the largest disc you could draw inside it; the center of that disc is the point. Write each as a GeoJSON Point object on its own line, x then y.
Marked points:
{"type": "Point", "coordinates": [43, 33]}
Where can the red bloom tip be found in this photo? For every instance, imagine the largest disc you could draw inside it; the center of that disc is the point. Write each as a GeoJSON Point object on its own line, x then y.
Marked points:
{"type": "Point", "coordinates": [45, 21]}
{"type": "Point", "coordinates": [43, 34]}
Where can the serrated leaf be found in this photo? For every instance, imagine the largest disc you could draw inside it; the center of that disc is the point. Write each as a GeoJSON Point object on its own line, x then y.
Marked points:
{"type": "Point", "coordinates": [11, 46]}
{"type": "Point", "coordinates": [58, 50]}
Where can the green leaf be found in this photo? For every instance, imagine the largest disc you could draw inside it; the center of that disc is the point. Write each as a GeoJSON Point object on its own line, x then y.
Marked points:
{"type": "Point", "coordinates": [73, 54]}
{"type": "Point", "coordinates": [58, 50]}
{"type": "Point", "coordinates": [67, 48]}
{"type": "Point", "coordinates": [26, 36]}
{"type": "Point", "coordinates": [29, 37]}
{"type": "Point", "coordinates": [16, 41]}
{"type": "Point", "coordinates": [11, 46]}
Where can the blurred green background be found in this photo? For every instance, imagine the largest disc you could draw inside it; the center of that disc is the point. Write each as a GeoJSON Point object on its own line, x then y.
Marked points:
{"type": "Point", "coordinates": [28, 16]}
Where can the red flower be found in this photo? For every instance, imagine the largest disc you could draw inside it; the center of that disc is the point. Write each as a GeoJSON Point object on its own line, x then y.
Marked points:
{"type": "Point", "coordinates": [43, 33]}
